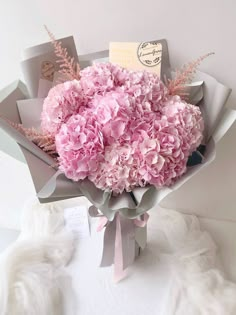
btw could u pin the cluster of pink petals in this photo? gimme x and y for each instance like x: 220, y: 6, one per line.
x: 60, y: 104
x: 80, y: 145
x: 73, y: 97
x: 121, y: 129
x: 153, y: 149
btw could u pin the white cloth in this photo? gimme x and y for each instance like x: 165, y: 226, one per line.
x: 175, y: 275
x: 31, y: 269
x: 197, y: 285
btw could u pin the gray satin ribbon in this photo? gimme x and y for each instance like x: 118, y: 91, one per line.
x: 132, y: 238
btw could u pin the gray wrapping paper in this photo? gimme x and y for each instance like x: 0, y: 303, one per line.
x: 51, y: 185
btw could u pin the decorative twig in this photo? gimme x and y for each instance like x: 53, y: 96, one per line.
x: 184, y: 76
x: 68, y: 66
x: 43, y: 141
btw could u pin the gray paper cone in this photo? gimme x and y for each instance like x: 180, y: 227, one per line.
x: 52, y: 185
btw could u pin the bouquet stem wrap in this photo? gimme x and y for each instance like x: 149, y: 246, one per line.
x: 123, y: 239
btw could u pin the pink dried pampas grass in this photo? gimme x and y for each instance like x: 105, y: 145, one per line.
x: 184, y: 76
x: 68, y: 66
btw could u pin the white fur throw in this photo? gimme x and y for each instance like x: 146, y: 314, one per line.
x: 31, y: 270
x: 33, y: 280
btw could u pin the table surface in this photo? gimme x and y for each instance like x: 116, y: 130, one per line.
x: 144, y: 290
x: 147, y: 285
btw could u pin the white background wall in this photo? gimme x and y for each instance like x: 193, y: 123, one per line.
x: 192, y: 28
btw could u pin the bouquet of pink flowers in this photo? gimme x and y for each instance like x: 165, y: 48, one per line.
x: 121, y: 137
x: 121, y: 129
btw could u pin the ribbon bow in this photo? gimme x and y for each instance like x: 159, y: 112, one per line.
x: 122, y: 241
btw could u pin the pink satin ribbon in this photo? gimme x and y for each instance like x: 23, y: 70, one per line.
x: 119, y: 272
x: 142, y: 222
x: 102, y: 223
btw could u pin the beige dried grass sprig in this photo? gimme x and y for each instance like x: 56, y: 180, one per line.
x: 184, y: 76
x: 43, y: 141
x: 67, y: 64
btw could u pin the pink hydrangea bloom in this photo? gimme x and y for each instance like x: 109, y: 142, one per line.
x: 114, y: 172
x: 97, y: 79
x: 80, y: 146
x: 120, y: 129
x: 62, y: 101
x: 113, y: 111
x: 73, y: 97
x: 157, y: 152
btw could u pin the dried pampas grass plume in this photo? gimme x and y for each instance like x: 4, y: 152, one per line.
x: 68, y: 66
x: 44, y: 141
x: 184, y: 76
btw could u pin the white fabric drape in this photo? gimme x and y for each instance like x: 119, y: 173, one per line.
x: 34, y: 280
x: 198, y: 287
x: 31, y: 270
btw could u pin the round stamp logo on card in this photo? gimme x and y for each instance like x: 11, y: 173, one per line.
x: 47, y: 70
x: 149, y: 53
